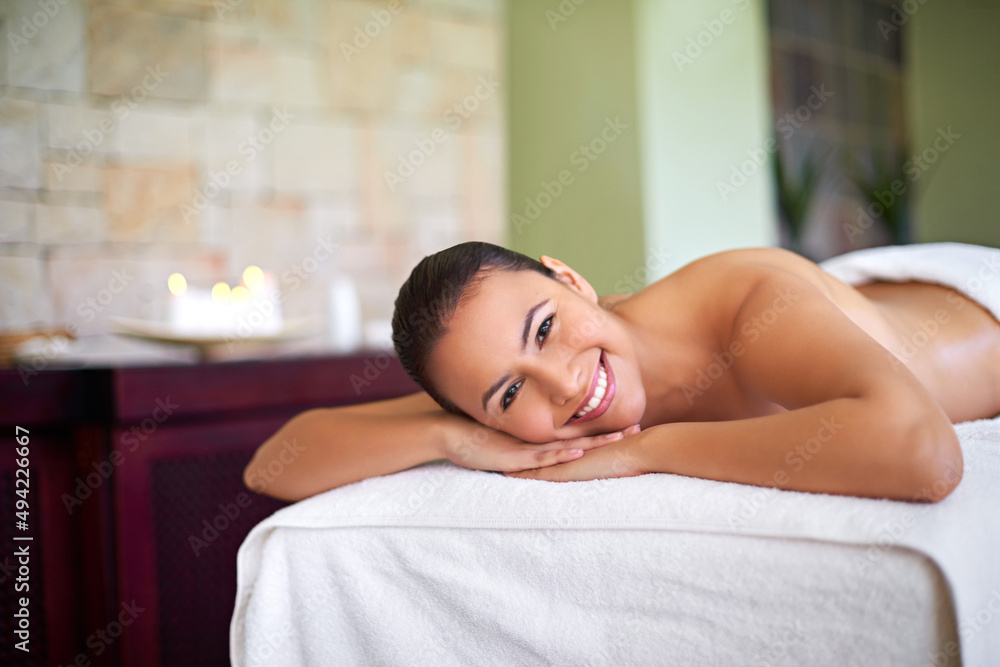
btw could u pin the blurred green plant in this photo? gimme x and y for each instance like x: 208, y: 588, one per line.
x: 796, y: 192
x: 881, y: 184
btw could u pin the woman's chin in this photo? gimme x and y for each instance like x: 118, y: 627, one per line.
x: 630, y: 411
x: 622, y: 414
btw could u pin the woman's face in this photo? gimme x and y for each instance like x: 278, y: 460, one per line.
x: 539, y: 358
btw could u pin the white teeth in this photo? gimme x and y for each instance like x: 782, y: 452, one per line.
x: 599, y: 391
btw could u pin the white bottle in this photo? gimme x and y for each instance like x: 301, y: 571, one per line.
x: 344, y: 321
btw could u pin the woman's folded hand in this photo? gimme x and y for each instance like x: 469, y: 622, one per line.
x: 479, y: 447
x: 613, y: 455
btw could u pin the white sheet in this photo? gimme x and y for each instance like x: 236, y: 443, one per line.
x: 442, y: 565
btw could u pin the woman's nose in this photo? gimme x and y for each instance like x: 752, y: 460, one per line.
x: 562, y: 381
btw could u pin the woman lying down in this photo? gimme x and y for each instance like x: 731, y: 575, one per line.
x: 752, y: 366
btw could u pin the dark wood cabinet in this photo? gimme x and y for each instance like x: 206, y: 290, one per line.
x: 138, y: 504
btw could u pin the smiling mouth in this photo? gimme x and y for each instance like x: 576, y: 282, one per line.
x: 598, y: 399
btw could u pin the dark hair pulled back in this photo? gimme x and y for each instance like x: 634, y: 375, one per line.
x: 432, y: 293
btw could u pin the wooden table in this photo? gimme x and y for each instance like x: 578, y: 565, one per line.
x: 137, y: 503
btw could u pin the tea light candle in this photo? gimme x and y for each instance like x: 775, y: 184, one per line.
x: 193, y: 311
x: 188, y: 307
x: 244, y: 311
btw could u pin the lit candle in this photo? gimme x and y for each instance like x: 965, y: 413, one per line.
x: 261, y: 314
x: 253, y: 277
x: 177, y: 284
x: 244, y: 311
x: 220, y: 318
x: 185, y: 310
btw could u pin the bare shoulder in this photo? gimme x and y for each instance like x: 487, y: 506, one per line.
x: 747, y: 263
x: 720, y: 283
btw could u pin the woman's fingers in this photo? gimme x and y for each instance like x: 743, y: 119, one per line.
x: 562, y: 451
x: 532, y: 459
x: 592, y: 441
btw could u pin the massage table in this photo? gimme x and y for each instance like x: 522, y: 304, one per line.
x: 441, y: 565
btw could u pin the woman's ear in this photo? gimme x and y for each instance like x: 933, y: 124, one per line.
x: 569, y: 277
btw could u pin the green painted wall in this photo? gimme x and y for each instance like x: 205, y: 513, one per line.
x: 954, y: 52
x: 572, y: 78
x: 705, y: 113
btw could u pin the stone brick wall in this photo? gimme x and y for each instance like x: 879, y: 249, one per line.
x: 200, y: 136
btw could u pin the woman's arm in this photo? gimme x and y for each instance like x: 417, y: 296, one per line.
x: 323, y: 449
x: 840, y: 447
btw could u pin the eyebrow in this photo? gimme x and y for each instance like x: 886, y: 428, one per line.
x: 528, y: 319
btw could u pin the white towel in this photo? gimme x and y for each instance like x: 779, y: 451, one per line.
x: 970, y: 269
x: 277, y: 578
x: 317, y: 587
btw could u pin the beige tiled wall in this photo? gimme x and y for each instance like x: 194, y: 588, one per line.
x: 119, y: 120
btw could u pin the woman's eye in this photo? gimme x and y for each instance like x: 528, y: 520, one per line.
x: 543, y: 329
x: 509, y: 395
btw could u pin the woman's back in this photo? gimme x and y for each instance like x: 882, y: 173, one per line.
x: 948, y: 341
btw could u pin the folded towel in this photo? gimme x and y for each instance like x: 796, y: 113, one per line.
x: 277, y: 578
x: 972, y: 270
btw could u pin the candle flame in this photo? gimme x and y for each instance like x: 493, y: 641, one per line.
x: 220, y: 292
x: 240, y: 294
x: 253, y: 277
x: 177, y: 284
